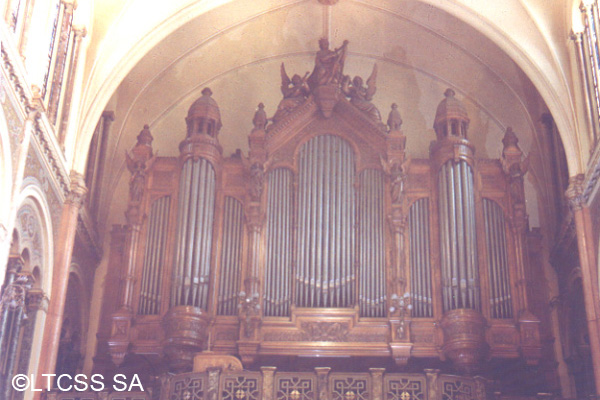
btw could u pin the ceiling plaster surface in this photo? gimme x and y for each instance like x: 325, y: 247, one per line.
x: 506, y: 22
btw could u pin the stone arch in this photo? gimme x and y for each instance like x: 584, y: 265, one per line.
x: 6, y: 180
x: 35, y: 233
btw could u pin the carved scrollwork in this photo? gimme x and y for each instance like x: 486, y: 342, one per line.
x: 324, y: 331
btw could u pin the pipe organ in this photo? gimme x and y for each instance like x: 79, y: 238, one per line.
x: 326, y: 240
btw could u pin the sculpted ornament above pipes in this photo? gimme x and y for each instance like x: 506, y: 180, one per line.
x: 361, y: 96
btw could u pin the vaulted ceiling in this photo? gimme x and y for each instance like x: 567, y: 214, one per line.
x: 507, y: 61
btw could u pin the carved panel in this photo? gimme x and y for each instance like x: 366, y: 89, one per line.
x: 404, y: 387
x: 244, y: 386
x: 292, y: 386
x: 324, y: 331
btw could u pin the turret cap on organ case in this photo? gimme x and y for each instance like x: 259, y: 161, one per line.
x: 204, y: 116
x: 451, y: 117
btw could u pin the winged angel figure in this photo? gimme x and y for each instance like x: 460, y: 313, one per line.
x: 294, y: 91
x: 361, y: 96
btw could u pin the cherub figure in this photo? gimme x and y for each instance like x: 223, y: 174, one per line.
x: 361, y: 96
x: 294, y: 91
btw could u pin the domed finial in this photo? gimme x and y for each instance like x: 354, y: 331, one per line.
x: 204, y: 116
x: 451, y: 118
x: 510, y: 138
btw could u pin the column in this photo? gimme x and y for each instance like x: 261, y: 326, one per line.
x: 587, y: 260
x: 61, y: 58
x: 62, y: 260
x: 78, y: 34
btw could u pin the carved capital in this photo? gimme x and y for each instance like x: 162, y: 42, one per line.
x: 79, y: 31
x: 15, y: 293
x: 574, y: 192
x: 77, y: 191
x: 37, y: 300
x: 15, y: 263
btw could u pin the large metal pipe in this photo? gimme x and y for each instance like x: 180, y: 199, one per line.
x: 211, y: 194
x: 491, y: 258
x: 180, y: 246
x: 163, y: 226
x: 505, y: 278
x: 428, y: 262
x: 419, y: 255
x: 473, y: 233
x: 150, y: 258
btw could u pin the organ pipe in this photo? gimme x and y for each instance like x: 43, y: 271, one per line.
x: 191, y: 274
x: 231, y: 257
x: 278, y: 263
x: 154, y: 256
x: 371, y: 267
x: 420, y: 266
x: 460, y: 274
x: 500, y: 296
x: 326, y: 215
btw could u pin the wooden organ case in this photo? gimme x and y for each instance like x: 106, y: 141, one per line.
x: 327, y: 240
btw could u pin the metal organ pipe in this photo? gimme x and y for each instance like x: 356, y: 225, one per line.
x: 325, y: 215
x: 420, y: 266
x: 500, y: 297
x: 458, y: 236
x: 278, y: 261
x: 371, y: 245
x: 194, y: 234
x: 229, y: 281
x: 153, y: 257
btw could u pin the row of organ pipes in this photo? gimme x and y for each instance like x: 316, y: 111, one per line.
x: 326, y: 240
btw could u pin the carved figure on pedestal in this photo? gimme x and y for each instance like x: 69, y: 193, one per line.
x: 394, y: 121
x: 329, y: 64
x: 361, y: 96
x: 260, y: 117
x: 398, y: 172
x: 294, y: 91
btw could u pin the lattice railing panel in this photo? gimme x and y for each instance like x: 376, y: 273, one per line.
x: 454, y: 388
x: 241, y: 386
x: 295, y: 386
x: 350, y: 386
x: 188, y: 387
x: 404, y: 387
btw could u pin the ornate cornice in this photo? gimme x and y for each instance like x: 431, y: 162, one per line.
x: 33, y: 110
x: 576, y: 192
x: 15, y: 80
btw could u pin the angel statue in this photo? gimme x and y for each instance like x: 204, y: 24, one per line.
x: 361, y: 96
x: 398, y: 173
x: 294, y: 91
x: 137, y: 167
